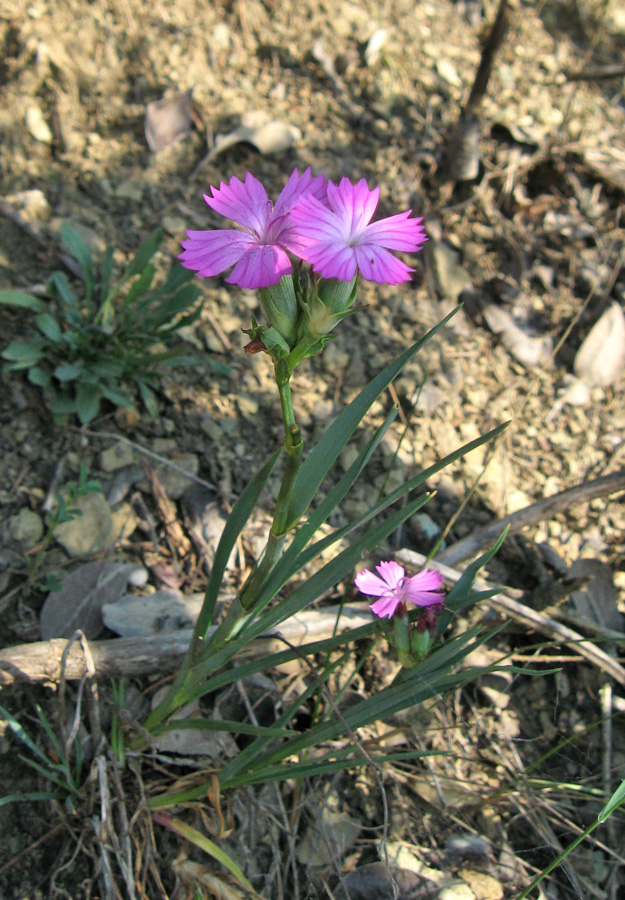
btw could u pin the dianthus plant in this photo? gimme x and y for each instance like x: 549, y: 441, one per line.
x: 305, y: 255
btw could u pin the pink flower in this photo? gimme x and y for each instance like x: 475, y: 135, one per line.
x: 394, y: 589
x: 258, y: 253
x: 339, y: 239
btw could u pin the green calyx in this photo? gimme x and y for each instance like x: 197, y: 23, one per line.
x: 281, y: 309
x: 328, y: 302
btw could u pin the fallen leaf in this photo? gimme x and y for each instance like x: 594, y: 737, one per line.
x: 601, y: 358
x: 168, y: 120
x: 378, y: 881
x: 267, y: 137
x: 82, y: 595
x: 373, y: 50
x: 529, y: 349
x: 597, y: 602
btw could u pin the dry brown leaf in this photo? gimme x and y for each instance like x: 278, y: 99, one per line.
x: 267, y: 136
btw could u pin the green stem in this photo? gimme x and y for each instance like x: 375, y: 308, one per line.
x: 271, y: 553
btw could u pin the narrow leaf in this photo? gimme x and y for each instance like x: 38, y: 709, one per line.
x: 143, y: 255
x: 49, y: 327
x: 327, y: 450
x: 20, y: 299
x: 74, y: 242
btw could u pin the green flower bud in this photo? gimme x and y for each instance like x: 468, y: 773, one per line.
x: 281, y: 309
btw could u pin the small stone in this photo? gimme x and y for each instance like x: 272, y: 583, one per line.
x: 37, y: 125
x: 25, y: 528
x: 174, y: 225
x: 129, y: 190
x: 248, y: 405
x: 174, y: 482
x: 162, y: 612
x: 457, y: 891
x: 484, y: 886
x: 116, y: 457
x: 125, y: 522
x: 91, y: 532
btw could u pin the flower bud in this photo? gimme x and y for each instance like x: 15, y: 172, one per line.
x: 281, y: 309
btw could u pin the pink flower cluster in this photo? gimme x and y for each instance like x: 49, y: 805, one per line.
x: 395, y: 590
x: 327, y: 225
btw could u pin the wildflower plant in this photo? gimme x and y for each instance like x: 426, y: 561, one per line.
x: 305, y: 255
x: 90, y: 345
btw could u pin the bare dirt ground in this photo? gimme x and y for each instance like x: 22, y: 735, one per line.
x: 533, y: 245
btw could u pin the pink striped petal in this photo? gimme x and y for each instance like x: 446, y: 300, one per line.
x: 396, y: 233
x: 244, y: 202
x: 385, y: 607
x: 210, y: 253
x: 379, y: 265
x: 424, y: 589
x: 260, y: 266
x: 369, y: 584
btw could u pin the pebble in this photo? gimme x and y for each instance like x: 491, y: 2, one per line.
x: 484, y: 886
x: 175, y: 483
x: 91, y: 532
x: 117, y: 457
x: 457, y: 891
x: 26, y: 528
x: 37, y: 125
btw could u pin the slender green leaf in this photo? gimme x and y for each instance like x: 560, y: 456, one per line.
x: 149, y: 400
x: 88, y: 398
x: 113, y: 395
x: 106, y: 270
x: 327, y: 450
x: 74, y: 242
x: 39, y: 376
x: 49, y: 327
x: 63, y: 405
x: 241, y: 511
x: 197, y: 838
x: 143, y: 255
x: 27, y: 352
x: 68, y: 371
x: 139, y: 286
x: 617, y: 798
x: 32, y: 797
x: 20, y: 299
x: 58, y: 286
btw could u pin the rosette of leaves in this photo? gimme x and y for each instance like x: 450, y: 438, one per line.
x: 93, y: 343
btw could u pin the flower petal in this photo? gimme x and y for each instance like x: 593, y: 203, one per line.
x: 424, y: 589
x: 369, y: 584
x: 385, y: 607
x: 392, y: 573
x: 396, y: 233
x: 244, y: 202
x: 354, y: 204
x: 297, y: 186
x: 379, y: 265
x: 212, y: 252
x: 260, y: 266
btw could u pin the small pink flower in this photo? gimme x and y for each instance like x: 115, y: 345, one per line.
x: 339, y: 239
x: 258, y: 253
x: 394, y: 589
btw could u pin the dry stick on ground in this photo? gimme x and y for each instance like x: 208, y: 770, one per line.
x: 543, y: 509
x: 41, y: 662
x: 463, y: 158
